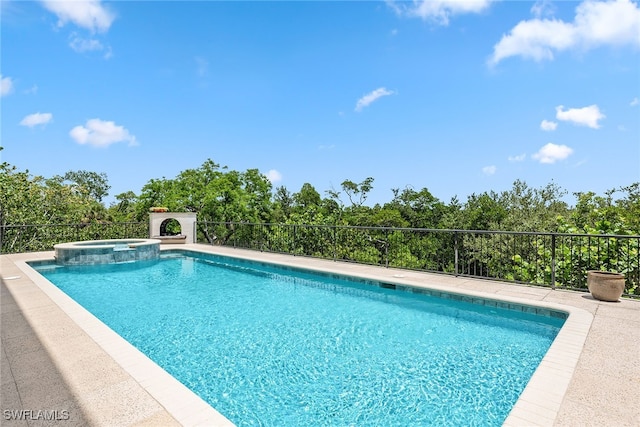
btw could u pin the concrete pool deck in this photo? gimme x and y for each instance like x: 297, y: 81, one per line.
x: 60, y: 360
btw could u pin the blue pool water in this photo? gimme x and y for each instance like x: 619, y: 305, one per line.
x: 274, y: 347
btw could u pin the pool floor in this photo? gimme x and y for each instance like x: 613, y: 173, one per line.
x: 74, y: 353
x: 270, y: 346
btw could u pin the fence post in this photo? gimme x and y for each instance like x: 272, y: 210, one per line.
x: 386, y: 247
x: 455, y: 252
x: 553, y: 261
x: 234, y: 233
x: 335, y: 243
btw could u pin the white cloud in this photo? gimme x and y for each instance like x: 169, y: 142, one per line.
x: 596, y: 23
x: 534, y: 40
x: 367, y: 99
x: 274, y: 176
x: 551, y: 153
x: 517, y: 158
x: 586, y: 116
x: 89, y: 14
x: 609, y: 22
x: 634, y: 102
x: 438, y: 11
x: 548, y: 125
x: 100, y: 133
x: 36, y: 119
x: 81, y: 45
x: 543, y: 8
x: 489, y: 170
x: 6, y: 85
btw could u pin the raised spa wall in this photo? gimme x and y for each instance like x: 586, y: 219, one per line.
x: 106, y: 251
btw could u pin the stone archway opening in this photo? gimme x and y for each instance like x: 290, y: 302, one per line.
x: 170, y: 227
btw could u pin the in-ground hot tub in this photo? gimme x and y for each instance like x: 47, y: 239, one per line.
x: 106, y: 251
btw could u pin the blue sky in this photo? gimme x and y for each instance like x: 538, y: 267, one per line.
x: 457, y: 97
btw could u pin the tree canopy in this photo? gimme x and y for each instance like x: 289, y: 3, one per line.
x: 218, y: 194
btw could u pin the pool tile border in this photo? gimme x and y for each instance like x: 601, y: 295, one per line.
x: 391, y: 284
x: 538, y: 404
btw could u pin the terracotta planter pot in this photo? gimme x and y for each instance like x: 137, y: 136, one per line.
x: 605, y: 285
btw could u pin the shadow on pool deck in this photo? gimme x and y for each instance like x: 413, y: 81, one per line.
x: 26, y: 361
x: 49, y: 363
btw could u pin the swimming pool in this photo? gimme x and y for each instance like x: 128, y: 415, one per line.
x: 282, y: 347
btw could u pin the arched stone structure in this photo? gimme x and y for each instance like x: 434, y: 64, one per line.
x: 187, y: 222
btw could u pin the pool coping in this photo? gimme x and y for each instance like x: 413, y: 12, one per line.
x: 539, y: 404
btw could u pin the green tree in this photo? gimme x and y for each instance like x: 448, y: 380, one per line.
x: 27, y: 199
x: 215, y: 194
x: 604, y: 215
x: 307, y: 206
x: 420, y: 209
x: 20, y: 197
x: 257, y: 196
x: 629, y: 206
x: 156, y: 192
x: 452, y: 217
x: 483, y: 212
x: 357, y: 193
x: 387, y: 217
x: 124, y: 207
x: 34, y: 200
x: 529, y: 209
x: 306, y: 198
x: 283, y: 204
x: 89, y: 184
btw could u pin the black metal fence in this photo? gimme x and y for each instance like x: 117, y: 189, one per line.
x: 547, y: 259
x: 32, y: 238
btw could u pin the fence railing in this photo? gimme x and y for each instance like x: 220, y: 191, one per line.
x: 32, y: 238
x: 556, y: 260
